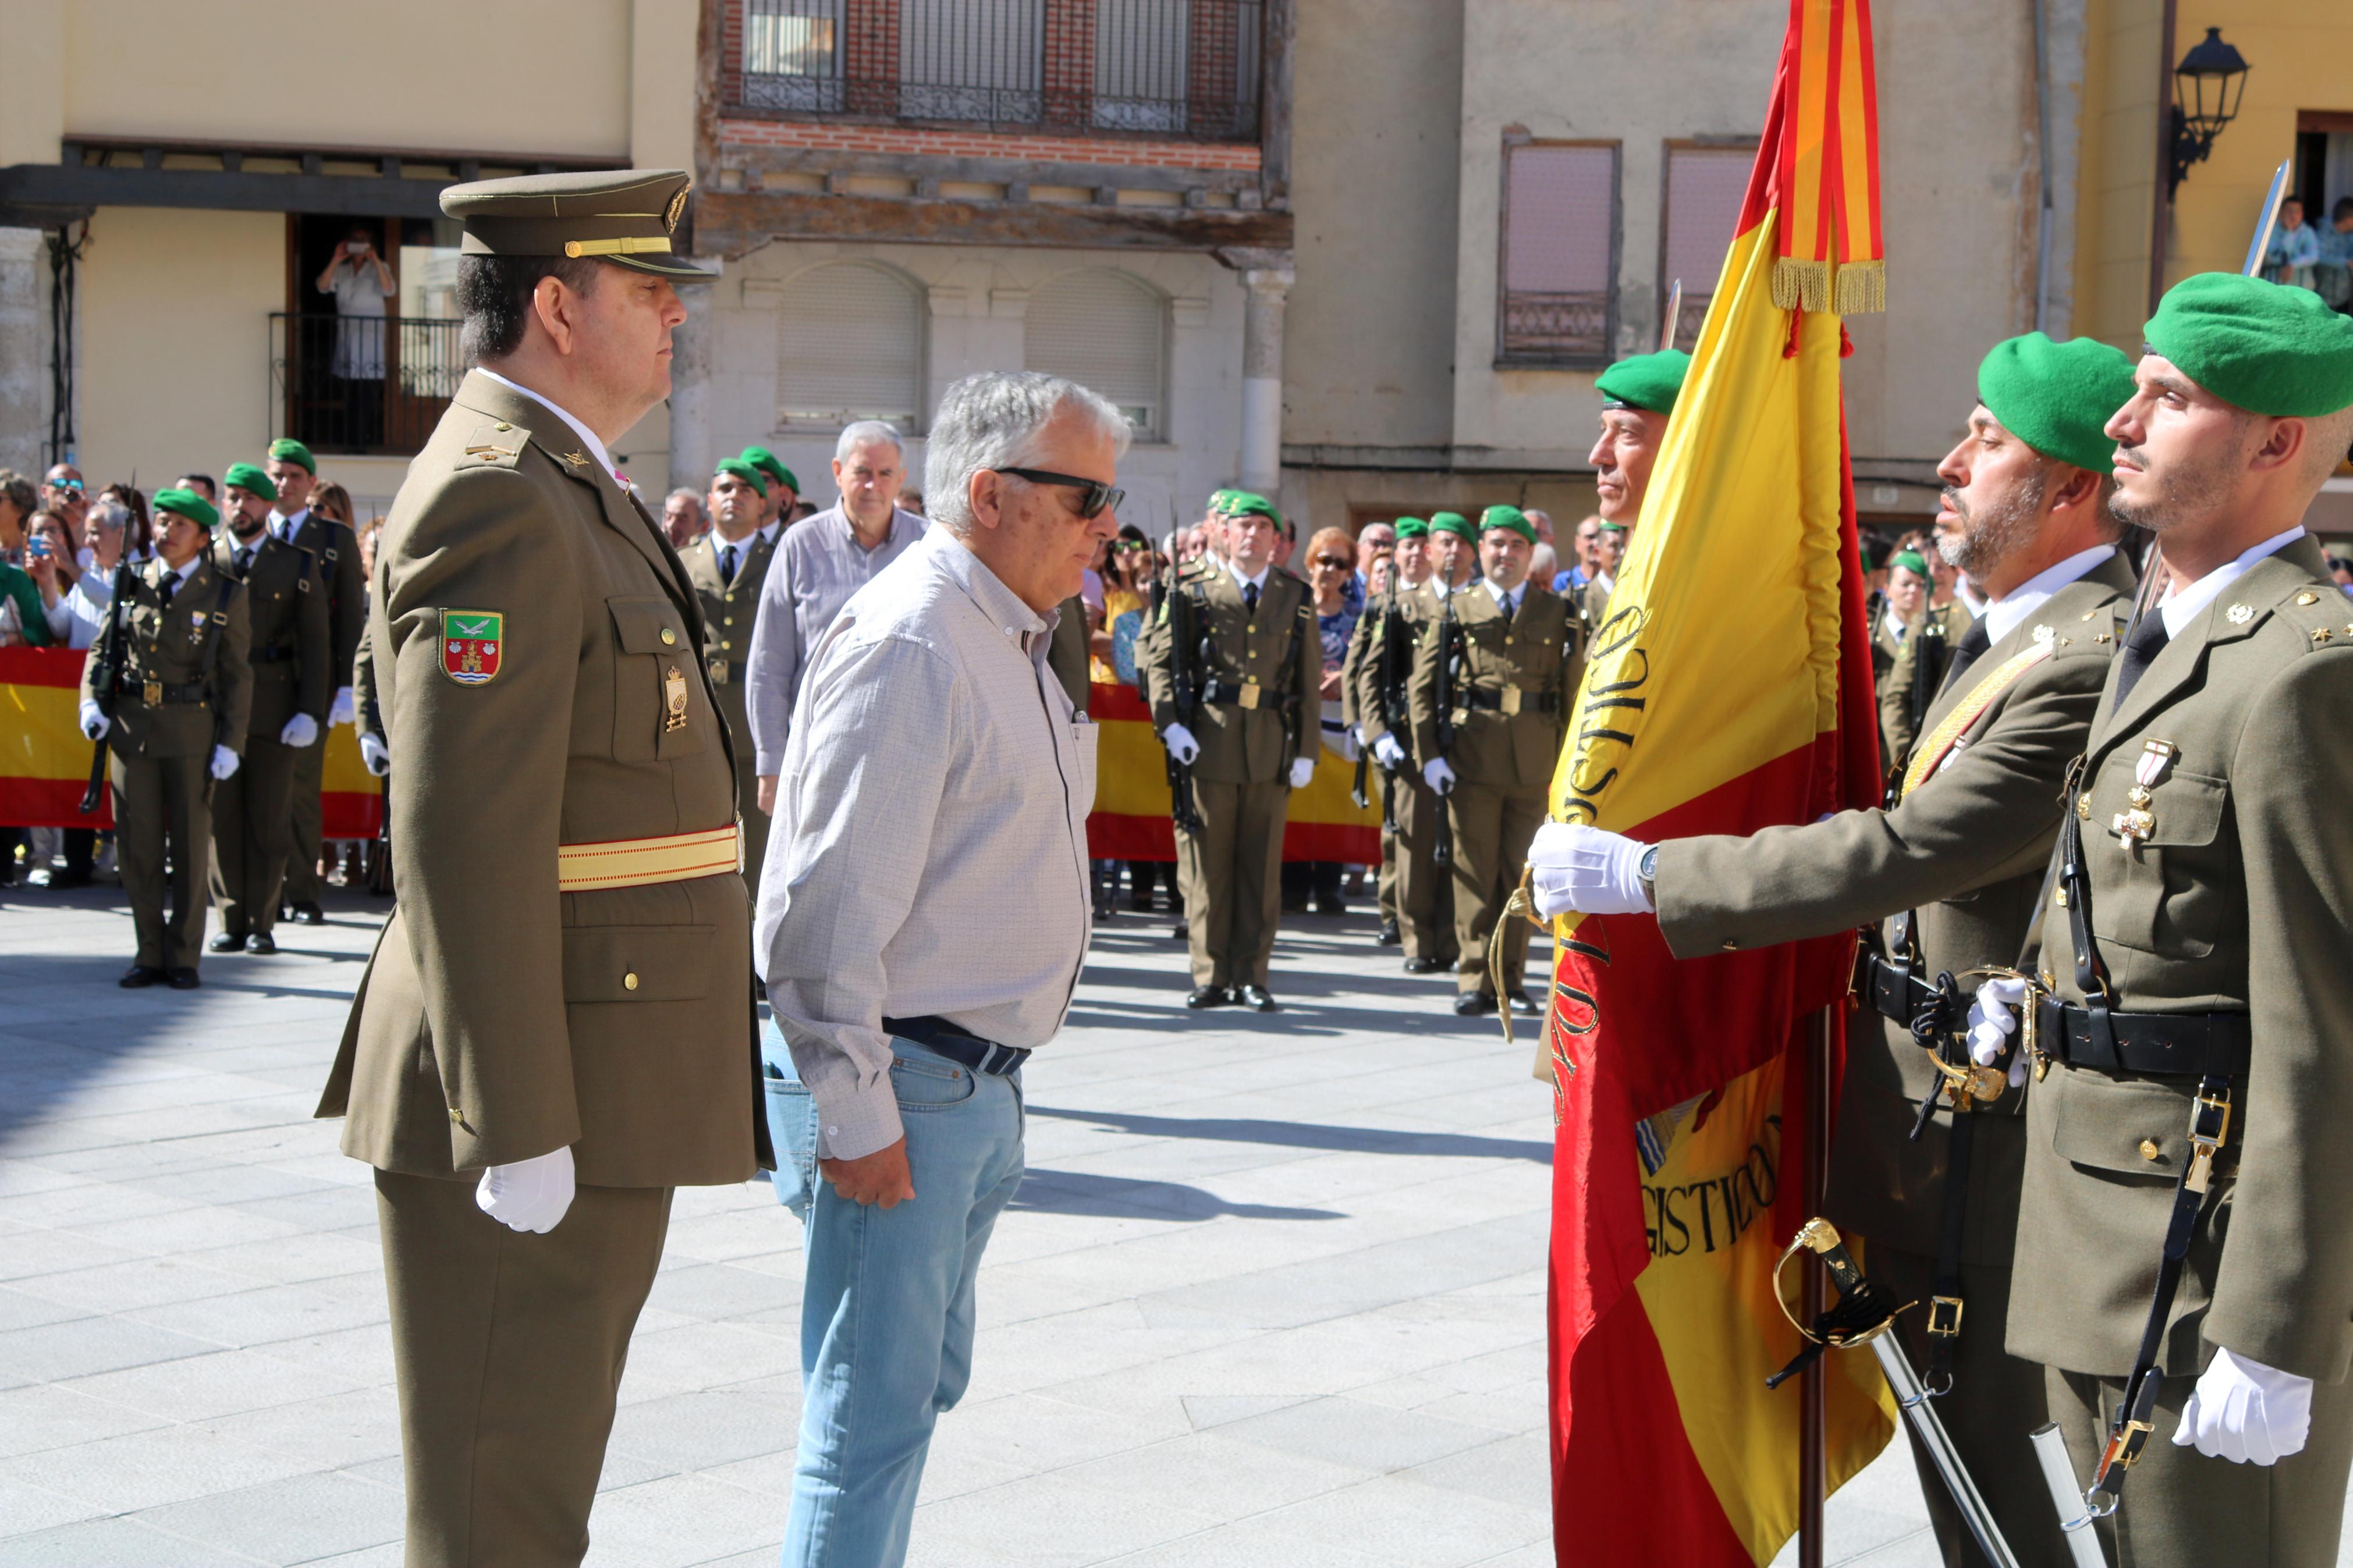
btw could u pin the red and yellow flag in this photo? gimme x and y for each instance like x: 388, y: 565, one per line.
x: 1677, y: 1171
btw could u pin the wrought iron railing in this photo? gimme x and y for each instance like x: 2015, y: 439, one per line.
x: 1170, y: 68
x: 373, y: 384
x: 1557, y: 327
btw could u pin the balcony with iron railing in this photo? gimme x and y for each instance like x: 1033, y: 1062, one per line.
x: 1164, y: 68
x: 363, y: 386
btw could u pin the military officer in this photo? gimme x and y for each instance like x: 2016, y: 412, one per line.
x: 1398, y: 619
x: 173, y: 712
x: 727, y: 566
x: 2193, y: 991
x: 784, y: 488
x: 288, y: 645
x: 1361, y: 640
x: 337, y: 551
x: 1493, y: 678
x: 555, y: 1028
x: 1240, y: 638
x: 1953, y: 865
x: 1638, y: 396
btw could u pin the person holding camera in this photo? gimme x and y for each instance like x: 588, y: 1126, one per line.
x: 361, y: 283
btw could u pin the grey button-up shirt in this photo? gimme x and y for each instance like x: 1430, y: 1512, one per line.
x: 930, y: 848
x: 816, y: 567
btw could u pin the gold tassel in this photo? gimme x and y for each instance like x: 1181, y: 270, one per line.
x: 1521, y: 905
x: 1801, y: 285
x: 1861, y: 287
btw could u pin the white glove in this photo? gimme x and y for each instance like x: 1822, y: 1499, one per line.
x: 300, y: 731
x: 1438, y: 775
x: 1989, y: 1031
x: 1587, y: 869
x: 343, y: 712
x: 1180, y: 743
x: 1388, y: 753
x: 224, y: 761
x: 372, y: 752
x: 94, y: 723
x: 1302, y: 770
x: 530, y: 1195
x: 2245, y: 1412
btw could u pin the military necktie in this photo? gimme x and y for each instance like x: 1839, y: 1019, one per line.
x: 1973, y: 643
x: 167, y: 587
x: 2141, y: 648
x: 727, y: 564
x: 1250, y: 597
x: 1511, y: 607
x: 244, y: 559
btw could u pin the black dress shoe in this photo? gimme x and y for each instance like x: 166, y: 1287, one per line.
x: 139, y: 975
x: 260, y: 941
x: 1473, y: 1005
x: 1390, y: 936
x: 58, y: 881
x: 1184, y: 930
x: 228, y: 942
x: 1210, y: 996
x: 310, y: 914
x: 1522, y: 1004
x: 1323, y: 904
x: 1425, y: 964
x: 1260, y: 997
x: 181, y: 979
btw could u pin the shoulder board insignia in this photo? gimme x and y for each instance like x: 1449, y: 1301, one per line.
x: 487, y: 453
x: 2238, y: 614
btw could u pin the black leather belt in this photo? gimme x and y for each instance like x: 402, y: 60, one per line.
x: 958, y: 1044
x: 1891, y: 990
x: 194, y: 691
x: 1530, y: 702
x: 1223, y: 693
x: 2164, y: 1045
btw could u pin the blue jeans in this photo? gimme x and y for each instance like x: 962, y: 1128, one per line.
x: 887, y: 1305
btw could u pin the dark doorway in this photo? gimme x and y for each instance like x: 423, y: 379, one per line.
x: 350, y: 380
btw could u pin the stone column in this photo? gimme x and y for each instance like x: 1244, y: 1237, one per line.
x: 690, y: 412
x: 24, y: 357
x: 1265, y: 289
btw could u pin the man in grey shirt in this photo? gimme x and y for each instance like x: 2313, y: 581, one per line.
x: 921, y: 927
x: 817, y: 566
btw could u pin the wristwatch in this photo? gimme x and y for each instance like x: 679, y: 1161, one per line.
x: 1649, y: 872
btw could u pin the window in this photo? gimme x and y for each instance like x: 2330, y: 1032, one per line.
x: 792, y: 54
x: 1106, y: 331
x: 1558, y: 299
x: 971, y: 59
x: 1699, y: 211
x: 850, y: 346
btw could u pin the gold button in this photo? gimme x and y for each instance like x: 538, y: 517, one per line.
x: 727, y: 620
x: 628, y: 982
x: 1730, y: 946
x: 457, y: 1116
x: 724, y: 645
x: 2148, y: 1149
x: 1507, y: 642
x: 668, y: 637
x: 2307, y: 597
x: 504, y: 426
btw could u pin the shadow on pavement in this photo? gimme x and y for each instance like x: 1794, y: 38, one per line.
x: 1122, y: 1198
x: 1311, y: 1135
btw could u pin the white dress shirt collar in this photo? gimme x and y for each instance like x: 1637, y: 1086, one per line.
x: 1004, y: 607
x: 2181, y: 606
x: 1509, y: 602
x: 1257, y: 582
x: 2007, y: 614
x: 1894, y: 623
x: 595, y: 447
x: 284, y: 525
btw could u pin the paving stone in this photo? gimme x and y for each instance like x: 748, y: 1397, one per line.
x: 298, y: 1519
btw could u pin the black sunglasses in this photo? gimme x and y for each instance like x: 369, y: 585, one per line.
x: 1332, y: 561
x: 1095, y: 497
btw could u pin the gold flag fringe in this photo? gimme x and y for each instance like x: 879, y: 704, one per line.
x: 1861, y: 287
x: 1801, y: 285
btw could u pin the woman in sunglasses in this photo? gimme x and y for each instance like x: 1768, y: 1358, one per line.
x: 1330, y: 575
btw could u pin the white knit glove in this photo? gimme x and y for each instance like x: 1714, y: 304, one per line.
x: 2245, y: 1412
x: 1438, y: 775
x: 94, y: 723
x: 1587, y: 869
x: 371, y: 753
x: 1180, y: 743
x: 530, y: 1195
x: 1990, y: 1028
x: 343, y: 712
x: 224, y: 761
x: 1388, y: 753
x: 301, y: 730
x: 1302, y: 770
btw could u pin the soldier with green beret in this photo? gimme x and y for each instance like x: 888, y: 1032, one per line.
x: 1493, y: 679
x: 288, y: 646
x: 784, y: 488
x: 555, y: 1029
x: 1638, y: 395
x: 336, y: 551
x: 729, y: 566
x: 172, y: 714
x: 2183, y: 1213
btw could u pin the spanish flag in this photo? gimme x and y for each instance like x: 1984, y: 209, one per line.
x: 1677, y: 1170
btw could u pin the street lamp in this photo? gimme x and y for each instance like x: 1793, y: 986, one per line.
x: 2207, y: 87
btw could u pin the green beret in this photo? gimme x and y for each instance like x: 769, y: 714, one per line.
x: 743, y: 471
x: 188, y: 504
x: 1453, y: 522
x: 1613, y: 527
x: 1912, y: 560
x: 1221, y: 501
x: 247, y: 476
x: 1509, y: 516
x: 766, y: 461
x: 2057, y: 397
x: 1870, y: 559
x: 2269, y: 348
x: 1648, y: 382
x: 1243, y: 503
x: 286, y: 450
x: 1411, y: 528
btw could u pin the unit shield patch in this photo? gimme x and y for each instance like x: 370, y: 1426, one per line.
x: 471, y: 641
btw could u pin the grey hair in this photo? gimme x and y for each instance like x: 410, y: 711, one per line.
x: 689, y: 491
x: 992, y: 420
x: 860, y: 432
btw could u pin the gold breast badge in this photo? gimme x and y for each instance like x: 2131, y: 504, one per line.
x: 674, y: 701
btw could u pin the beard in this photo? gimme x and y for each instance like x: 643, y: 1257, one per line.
x: 1987, y: 537
x: 2189, y: 491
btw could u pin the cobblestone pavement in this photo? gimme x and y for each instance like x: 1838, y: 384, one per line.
x: 1272, y: 1293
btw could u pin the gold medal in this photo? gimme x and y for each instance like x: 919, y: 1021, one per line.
x: 674, y: 701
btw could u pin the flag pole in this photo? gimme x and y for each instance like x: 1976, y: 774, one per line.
x: 1812, y: 1175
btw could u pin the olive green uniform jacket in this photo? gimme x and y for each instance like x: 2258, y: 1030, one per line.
x: 200, y: 639
x: 1532, y: 662
x: 1896, y: 732
x: 1268, y: 670
x: 1067, y: 652
x: 288, y: 633
x: 501, y: 1018
x: 2240, y: 899
x: 1367, y: 708
x: 728, y: 611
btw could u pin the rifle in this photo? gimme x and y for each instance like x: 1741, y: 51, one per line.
x: 106, y: 681
x: 1185, y: 690
x: 1443, y: 852
x: 1930, y: 654
x: 1388, y: 689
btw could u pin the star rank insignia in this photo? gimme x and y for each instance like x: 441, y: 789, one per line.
x: 2238, y: 614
